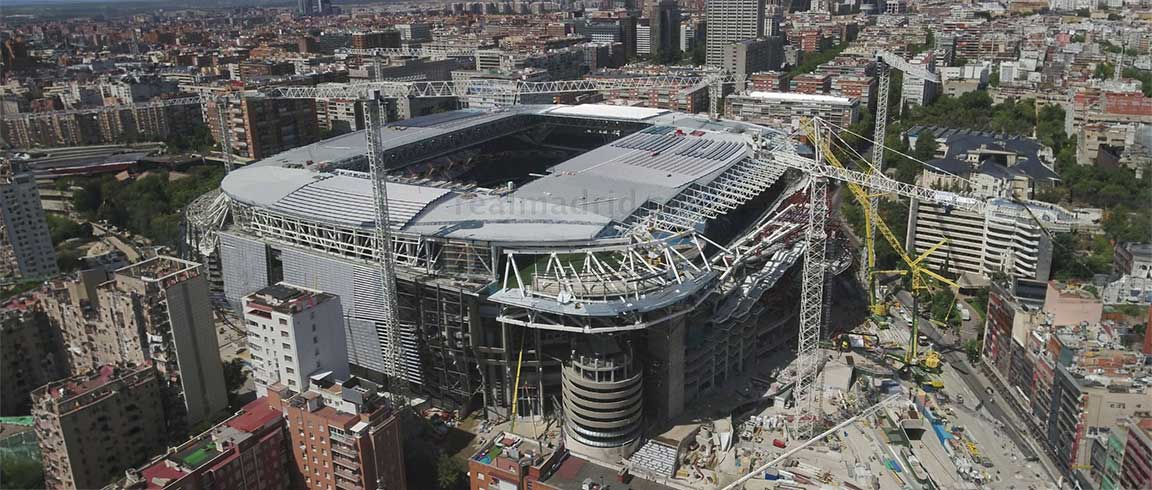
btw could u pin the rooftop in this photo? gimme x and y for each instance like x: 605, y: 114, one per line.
x: 158, y: 268
x: 286, y: 298
x: 796, y: 97
x: 576, y: 201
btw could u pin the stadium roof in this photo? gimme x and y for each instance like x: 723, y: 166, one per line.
x: 574, y: 202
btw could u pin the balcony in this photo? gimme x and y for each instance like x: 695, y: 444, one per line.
x: 344, y: 450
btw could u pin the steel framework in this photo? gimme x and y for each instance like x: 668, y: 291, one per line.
x: 387, y: 267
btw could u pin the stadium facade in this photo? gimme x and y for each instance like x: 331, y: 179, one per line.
x: 619, y: 262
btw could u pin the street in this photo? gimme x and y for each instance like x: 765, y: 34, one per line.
x: 951, y: 349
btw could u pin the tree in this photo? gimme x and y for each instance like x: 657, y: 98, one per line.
x: 449, y: 471
x: 1104, y: 71
x: 699, y: 54
x: 925, y: 146
x: 972, y: 348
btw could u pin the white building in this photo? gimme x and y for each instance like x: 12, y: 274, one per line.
x: 25, y: 243
x: 687, y: 37
x: 1007, y: 71
x: 982, y: 245
x: 916, y: 90
x: 786, y: 109
x: 294, y: 333
x: 643, y: 40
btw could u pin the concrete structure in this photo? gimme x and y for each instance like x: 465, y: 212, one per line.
x: 347, y: 436
x: 263, y: 126
x: 786, y: 109
x: 162, y: 314
x: 603, y: 397
x: 294, y: 333
x: 999, y: 241
x: 664, y: 26
x: 25, y: 246
x: 749, y: 56
x: 513, y: 460
x: 93, y: 427
x: 731, y: 21
x: 249, y: 450
x: 31, y: 354
x: 305, y: 217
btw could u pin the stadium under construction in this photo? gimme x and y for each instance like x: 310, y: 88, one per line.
x: 608, y: 264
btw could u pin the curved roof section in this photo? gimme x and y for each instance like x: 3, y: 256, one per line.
x: 574, y: 202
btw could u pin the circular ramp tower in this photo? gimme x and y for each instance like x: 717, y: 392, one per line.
x: 603, y: 400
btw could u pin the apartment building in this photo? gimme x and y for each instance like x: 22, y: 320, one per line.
x: 343, y: 435
x: 1136, y: 467
x: 25, y: 245
x: 162, y: 315
x: 1073, y: 385
x: 294, y: 333
x: 93, y: 427
x: 247, y: 451
x: 916, y: 90
x: 731, y: 21
x: 30, y: 354
x: 339, y: 116
x: 262, y: 126
x: 389, y: 38
x: 743, y: 58
x: 786, y: 109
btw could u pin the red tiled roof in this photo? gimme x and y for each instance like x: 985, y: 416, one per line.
x: 160, y: 470
x: 256, y: 414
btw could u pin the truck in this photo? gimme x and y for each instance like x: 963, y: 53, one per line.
x: 964, y: 313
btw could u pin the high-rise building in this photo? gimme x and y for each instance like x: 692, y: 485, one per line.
x: 264, y: 126
x: 25, y: 244
x: 31, y: 354
x: 731, y: 21
x: 347, y: 436
x: 664, y: 26
x: 916, y: 90
x: 644, y: 39
x: 294, y: 333
x: 161, y: 308
x: 305, y: 7
x: 247, y: 451
x: 749, y: 56
x: 339, y: 116
x: 93, y: 427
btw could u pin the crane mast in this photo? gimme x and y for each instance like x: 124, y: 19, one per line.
x: 379, y: 175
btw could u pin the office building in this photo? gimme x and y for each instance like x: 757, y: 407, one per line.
x: 731, y: 21
x: 31, y: 354
x: 161, y: 311
x: 664, y: 26
x: 264, y: 126
x: 25, y: 245
x: 644, y: 40
x: 305, y: 7
x: 982, y: 245
x: 249, y: 450
x: 93, y: 427
x: 786, y: 109
x: 294, y: 333
x: 347, y: 436
x: 743, y: 58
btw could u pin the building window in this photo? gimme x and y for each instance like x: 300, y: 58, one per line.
x: 283, y: 321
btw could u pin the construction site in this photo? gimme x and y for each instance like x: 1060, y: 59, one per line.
x: 626, y: 296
